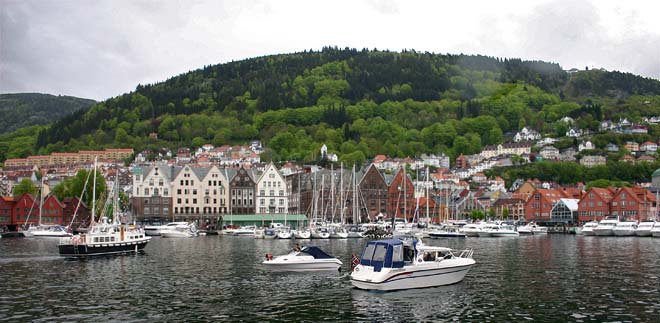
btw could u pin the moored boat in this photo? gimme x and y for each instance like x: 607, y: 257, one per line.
x: 588, y: 228
x: 605, y: 226
x: 104, y: 238
x: 644, y: 228
x: 504, y: 231
x: 625, y: 229
x: 397, y: 264
x: 308, y: 258
x: 182, y: 230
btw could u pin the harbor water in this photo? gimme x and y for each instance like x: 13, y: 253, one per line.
x: 545, y: 278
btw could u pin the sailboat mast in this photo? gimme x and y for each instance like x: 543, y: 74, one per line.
x: 426, y: 182
x: 41, y: 198
x: 94, y: 192
x: 341, y: 193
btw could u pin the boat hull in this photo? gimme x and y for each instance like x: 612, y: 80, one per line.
x: 624, y: 232
x: 643, y: 232
x: 16, y: 234
x: 302, y: 235
x: 84, y: 250
x: 405, y: 278
x: 317, y: 265
x: 435, y: 235
x: 471, y: 233
x: 501, y: 234
x: 603, y: 232
x: 655, y: 233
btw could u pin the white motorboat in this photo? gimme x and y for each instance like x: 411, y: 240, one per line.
x: 485, y: 229
x: 309, y: 258
x: 537, y: 229
x: 48, y: 231
x: 504, y: 231
x: 397, y: 264
x: 183, y: 230
x: 302, y: 234
x: 625, y: 228
x: 588, y: 228
x: 259, y: 233
x: 446, y: 232
x: 605, y: 226
x: 471, y: 229
x: 247, y: 230
x: 526, y: 229
x: 154, y: 230
x: 644, y: 228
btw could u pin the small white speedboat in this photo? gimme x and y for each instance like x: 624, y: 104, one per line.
x: 284, y: 233
x: 504, y: 231
x: 186, y: 230
x: 309, y: 258
x: 396, y: 264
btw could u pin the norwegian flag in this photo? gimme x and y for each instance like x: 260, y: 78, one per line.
x: 354, y: 262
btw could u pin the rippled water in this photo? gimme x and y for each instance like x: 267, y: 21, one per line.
x: 220, y: 278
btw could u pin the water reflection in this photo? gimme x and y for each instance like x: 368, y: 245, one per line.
x: 542, y: 278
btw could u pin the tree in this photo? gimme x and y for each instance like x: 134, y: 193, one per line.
x: 25, y: 186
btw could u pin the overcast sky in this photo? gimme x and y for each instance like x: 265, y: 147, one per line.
x: 104, y: 48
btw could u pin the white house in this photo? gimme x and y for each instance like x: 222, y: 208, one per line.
x: 573, y: 132
x: 526, y: 134
x: 271, y: 192
x: 585, y: 145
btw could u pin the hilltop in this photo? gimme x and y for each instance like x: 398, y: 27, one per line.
x: 28, y: 109
x: 359, y: 103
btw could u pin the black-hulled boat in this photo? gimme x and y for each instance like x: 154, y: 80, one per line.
x: 104, y: 239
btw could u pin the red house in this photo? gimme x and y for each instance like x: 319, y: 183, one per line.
x: 540, y: 203
x: 634, y: 203
x: 26, y: 210
x: 51, y: 211
x: 82, y: 214
x: 6, y: 206
x: 401, y: 197
x: 595, y: 204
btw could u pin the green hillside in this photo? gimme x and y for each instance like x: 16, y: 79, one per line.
x: 358, y: 102
x: 28, y: 109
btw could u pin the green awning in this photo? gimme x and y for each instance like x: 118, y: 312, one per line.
x: 266, y: 218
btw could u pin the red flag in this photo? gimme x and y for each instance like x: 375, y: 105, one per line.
x: 354, y: 261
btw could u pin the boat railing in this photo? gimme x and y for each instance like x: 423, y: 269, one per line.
x: 467, y: 253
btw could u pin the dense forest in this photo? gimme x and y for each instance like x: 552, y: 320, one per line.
x: 28, y: 109
x: 358, y: 102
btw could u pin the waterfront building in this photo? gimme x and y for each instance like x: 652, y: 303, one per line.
x: 73, y: 205
x: 595, y: 204
x: 540, y: 204
x: 271, y: 192
x: 242, y: 191
x: 634, y: 203
x: 565, y: 211
x: 374, y: 190
x: 401, y: 196
x: 152, y: 194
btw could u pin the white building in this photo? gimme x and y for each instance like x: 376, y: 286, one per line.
x: 526, y: 134
x: 586, y: 145
x: 549, y: 152
x: 271, y: 192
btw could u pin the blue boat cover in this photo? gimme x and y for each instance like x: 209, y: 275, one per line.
x: 379, y: 254
x: 316, y: 252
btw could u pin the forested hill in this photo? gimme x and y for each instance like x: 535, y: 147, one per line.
x: 358, y: 102
x: 27, y: 109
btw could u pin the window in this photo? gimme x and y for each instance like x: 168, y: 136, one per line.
x: 165, y: 192
x: 281, y: 192
x: 397, y: 253
x: 379, y: 253
x: 368, y: 252
x: 146, y: 191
